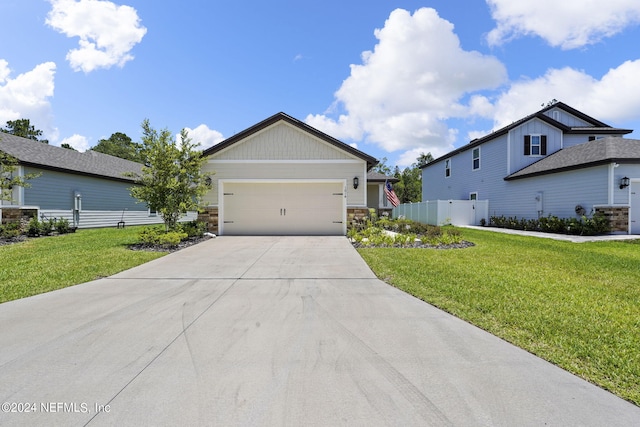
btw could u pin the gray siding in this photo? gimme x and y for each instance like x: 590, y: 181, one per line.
x: 561, y: 192
x: 621, y: 196
x: 487, y: 181
x: 97, y: 219
x: 565, y: 118
x: 534, y: 127
x: 55, y: 190
x: 571, y: 140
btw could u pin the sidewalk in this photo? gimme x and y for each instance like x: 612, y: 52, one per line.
x: 565, y: 237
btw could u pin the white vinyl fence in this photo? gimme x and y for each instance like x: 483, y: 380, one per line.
x: 440, y: 212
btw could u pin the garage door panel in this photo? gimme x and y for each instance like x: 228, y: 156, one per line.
x: 283, y: 208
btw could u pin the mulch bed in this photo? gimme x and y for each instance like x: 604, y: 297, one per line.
x: 419, y: 245
x: 13, y: 240
x: 161, y: 248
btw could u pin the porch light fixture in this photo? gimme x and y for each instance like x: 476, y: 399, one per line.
x: 624, y: 182
x: 356, y: 182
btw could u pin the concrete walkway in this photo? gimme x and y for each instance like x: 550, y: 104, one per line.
x: 271, y: 331
x: 555, y: 236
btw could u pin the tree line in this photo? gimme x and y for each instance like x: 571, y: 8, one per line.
x: 409, y: 187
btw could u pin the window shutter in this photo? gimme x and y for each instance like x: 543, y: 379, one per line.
x: 543, y: 145
x: 527, y: 145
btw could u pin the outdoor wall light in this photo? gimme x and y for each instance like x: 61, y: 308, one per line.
x: 356, y: 182
x: 624, y: 182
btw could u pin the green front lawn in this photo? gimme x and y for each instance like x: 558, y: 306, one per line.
x: 575, y: 305
x: 47, y: 263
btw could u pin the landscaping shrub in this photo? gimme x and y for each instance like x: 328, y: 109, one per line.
x: 157, y: 236
x: 34, y: 228
x: 192, y: 228
x: 583, y: 226
x: 408, y: 234
x: 62, y: 226
x: 10, y: 230
x: 47, y: 227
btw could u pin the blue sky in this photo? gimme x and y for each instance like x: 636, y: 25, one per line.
x: 393, y: 78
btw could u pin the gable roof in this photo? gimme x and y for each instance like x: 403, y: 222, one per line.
x: 380, y: 177
x: 597, y: 128
x: 371, y: 161
x: 592, y: 153
x: 45, y: 156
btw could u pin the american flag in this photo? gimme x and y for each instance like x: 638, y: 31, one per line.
x: 391, y: 195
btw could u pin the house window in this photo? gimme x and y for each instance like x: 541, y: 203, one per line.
x: 535, y: 145
x: 447, y: 168
x: 473, y: 196
x: 476, y: 158
x: 594, y: 137
x: 555, y: 115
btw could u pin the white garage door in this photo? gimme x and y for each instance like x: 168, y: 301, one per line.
x: 283, y: 208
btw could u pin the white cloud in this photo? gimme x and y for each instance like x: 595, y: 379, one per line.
x: 203, y: 135
x: 27, y: 97
x: 413, y: 80
x: 410, y: 157
x: 613, y: 99
x: 78, y: 142
x: 568, y: 24
x: 107, y: 32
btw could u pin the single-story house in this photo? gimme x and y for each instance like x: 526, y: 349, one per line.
x: 89, y: 189
x: 557, y: 161
x: 284, y: 177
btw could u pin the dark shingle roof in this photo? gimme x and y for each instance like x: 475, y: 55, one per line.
x: 92, y: 163
x: 592, y: 153
x: 371, y: 161
x: 380, y: 177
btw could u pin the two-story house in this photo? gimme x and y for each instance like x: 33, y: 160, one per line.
x: 557, y: 161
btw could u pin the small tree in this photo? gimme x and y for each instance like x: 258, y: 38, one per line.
x: 8, y: 166
x: 172, y: 181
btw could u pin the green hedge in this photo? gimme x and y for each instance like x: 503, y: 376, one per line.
x: 583, y: 226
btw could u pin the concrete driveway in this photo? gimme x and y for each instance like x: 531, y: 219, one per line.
x: 271, y: 331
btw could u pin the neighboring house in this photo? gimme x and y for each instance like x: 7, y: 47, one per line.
x: 557, y: 161
x: 89, y: 189
x: 283, y: 177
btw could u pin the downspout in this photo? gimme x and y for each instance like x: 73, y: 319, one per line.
x: 20, y: 201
